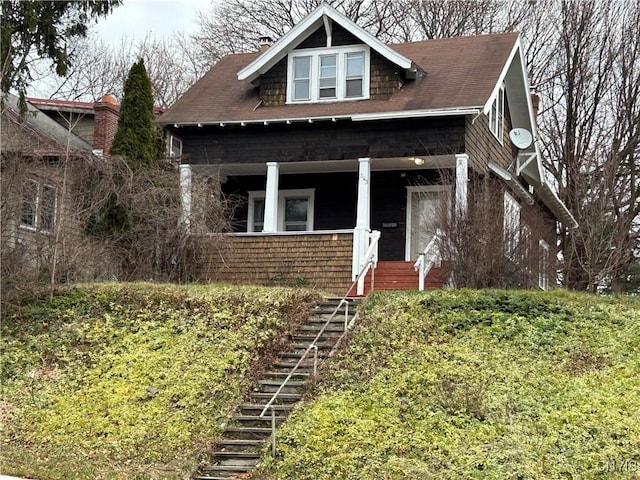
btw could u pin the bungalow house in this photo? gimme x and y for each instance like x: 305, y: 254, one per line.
x: 336, y: 143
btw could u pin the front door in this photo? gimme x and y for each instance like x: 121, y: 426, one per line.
x: 425, y: 206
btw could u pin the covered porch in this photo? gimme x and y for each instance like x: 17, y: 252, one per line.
x: 311, y: 223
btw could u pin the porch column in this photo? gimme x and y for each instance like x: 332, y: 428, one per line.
x: 271, y: 198
x: 185, y: 194
x: 462, y: 178
x: 363, y: 221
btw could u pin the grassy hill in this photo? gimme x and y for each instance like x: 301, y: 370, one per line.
x: 475, y: 384
x: 135, y: 381
x: 131, y: 380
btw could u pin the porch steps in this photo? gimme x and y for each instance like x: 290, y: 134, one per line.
x: 401, y: 276
x: 239, y: 449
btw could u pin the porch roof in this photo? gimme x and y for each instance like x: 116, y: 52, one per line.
x: 332, y: 166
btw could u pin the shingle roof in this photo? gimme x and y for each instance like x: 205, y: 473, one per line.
x: 461, y: 72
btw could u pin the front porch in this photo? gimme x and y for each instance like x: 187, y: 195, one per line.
x: 311, y: 223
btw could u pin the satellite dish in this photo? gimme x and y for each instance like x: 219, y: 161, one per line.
x: 521, y: 137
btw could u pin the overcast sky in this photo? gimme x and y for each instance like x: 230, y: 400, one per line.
x: 136, y: 18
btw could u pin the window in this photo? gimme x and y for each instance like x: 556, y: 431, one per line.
x: 175, y: 147
x: 543, y: 271
x: 328, y: 74
x: 511, y: 225
x: 295, y: 210
x: 301, y: 78
x: 355, y: 74
x: 38, y: 206
x: 496, y: 116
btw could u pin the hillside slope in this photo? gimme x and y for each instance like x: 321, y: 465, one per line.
x: 475, y: 384
x: 131, y: 380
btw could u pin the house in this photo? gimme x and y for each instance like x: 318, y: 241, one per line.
x: 329, y: 136
x: 47, y: 154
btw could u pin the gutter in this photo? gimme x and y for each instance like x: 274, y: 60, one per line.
x: 358, y: 117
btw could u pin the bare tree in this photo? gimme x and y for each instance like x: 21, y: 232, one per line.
x: 99, y: 69
x: 589, y: 76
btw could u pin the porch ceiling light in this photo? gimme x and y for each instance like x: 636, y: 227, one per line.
x: 418, y: 161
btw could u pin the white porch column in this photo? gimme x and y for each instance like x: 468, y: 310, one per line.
x: 185, y: 194
x: 462, y: 178
x: 271, y: 198
x: 363, y: 221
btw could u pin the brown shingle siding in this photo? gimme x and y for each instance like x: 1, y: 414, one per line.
x: 316, y: 260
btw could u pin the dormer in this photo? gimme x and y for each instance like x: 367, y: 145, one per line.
x: 326, y: 58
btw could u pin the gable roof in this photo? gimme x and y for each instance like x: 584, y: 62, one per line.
x: 54, y: 135
x: 460, y: 75
x: 323, y: 15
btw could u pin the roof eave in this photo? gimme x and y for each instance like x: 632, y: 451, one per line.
x: 355, y: 117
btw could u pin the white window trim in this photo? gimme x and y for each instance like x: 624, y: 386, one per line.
x: 498, y: 130
x: 36, y: 227
x: 314, y: 80
x: 543, y: 267
x: 511, y: 225
x: 282, y: 196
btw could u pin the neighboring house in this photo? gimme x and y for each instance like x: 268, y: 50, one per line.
x: 46, y: 154
x: 330, y: 134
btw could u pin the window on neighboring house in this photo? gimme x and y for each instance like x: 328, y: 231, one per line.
x: 295, y: 210
x: 175, y: 147
x: 496, y: 115
x: 543, y: 271
x: 340, y: 73
x: 511, y: 225
x: 38, y: 206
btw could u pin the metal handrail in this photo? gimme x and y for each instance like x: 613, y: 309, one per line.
x: 423, y: 268
x: 313, y: 344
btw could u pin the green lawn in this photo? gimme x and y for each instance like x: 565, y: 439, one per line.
x: 475, y: 385
x: 131, y: 380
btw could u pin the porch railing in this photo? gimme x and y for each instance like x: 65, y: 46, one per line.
x: 427, y: 259
x: 368, y: 262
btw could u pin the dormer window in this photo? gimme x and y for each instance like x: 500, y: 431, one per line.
x: 317, y: 75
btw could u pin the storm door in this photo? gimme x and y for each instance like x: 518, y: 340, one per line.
x: 425, y: 205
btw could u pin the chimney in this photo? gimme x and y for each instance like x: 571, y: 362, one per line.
x: 535, y: 102
x: 265, y: 43
x: 105, y: 123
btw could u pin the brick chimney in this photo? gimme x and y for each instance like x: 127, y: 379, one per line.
x: 105, y: 123
x: 535, y: 102
x: 265, y: 43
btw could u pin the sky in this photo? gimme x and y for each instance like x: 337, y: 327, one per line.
x: 136, y: 18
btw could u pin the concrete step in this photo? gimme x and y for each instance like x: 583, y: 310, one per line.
x: 283, y: 398
x: 321, y: 345
x: 257, y: 421
x: 299, y: 353
x: 298, y: 375
x: 252, y: 408
x: 337, y: 327
x: 227, y: 469
x: 240, y: 445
